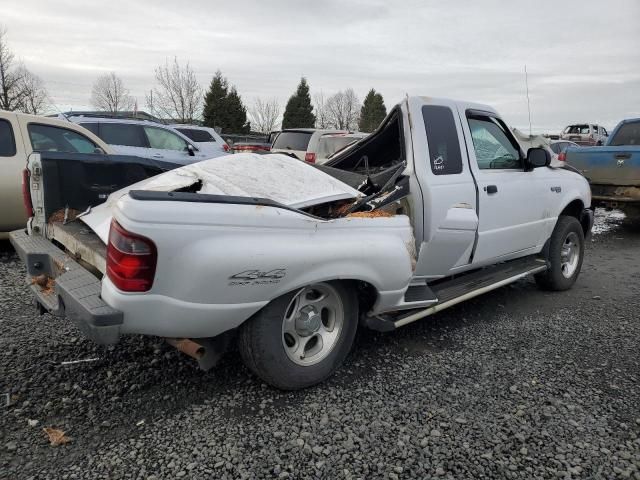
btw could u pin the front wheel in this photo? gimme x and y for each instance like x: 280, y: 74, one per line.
x: 566, y: 251
x: 301, y: 338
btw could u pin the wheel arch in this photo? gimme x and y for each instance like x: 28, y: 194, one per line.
x: 574, y: 209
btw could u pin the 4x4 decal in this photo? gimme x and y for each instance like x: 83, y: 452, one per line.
x: 257, y: 277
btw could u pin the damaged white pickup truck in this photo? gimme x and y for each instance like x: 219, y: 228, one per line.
x: 437, y: 206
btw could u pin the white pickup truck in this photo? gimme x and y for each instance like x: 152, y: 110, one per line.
x: 437, y: 206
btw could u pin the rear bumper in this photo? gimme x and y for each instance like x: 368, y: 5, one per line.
x: 75, y: 292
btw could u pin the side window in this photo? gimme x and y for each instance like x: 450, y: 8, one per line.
x: 7, y: 140
x: 494, y: 150
x: 164, y: 139
x: 46, y: 138
x: 126, y: 134
x: 444, y: 147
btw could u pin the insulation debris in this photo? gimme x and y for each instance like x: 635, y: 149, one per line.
x: 56, y: 437
x: 45, y: 282
x: 64, y: 215
x: 371, y: 214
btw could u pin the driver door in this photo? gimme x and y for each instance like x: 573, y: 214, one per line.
x: 511, y: 201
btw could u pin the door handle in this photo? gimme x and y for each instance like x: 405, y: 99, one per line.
x: 157, y: 155
x: 491, y: 189
x: 622, y: 156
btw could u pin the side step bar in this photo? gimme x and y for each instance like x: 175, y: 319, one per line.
x: 465, y: 287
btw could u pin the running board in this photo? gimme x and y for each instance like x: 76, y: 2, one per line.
x: 467, y: 286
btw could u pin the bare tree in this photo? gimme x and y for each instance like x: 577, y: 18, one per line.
x: 110, y: 95
x: 19, y: 88
x: 343, y: 110
x: 178, y: 95
x: 264, y: 115
x: 10, y: 92
x: 320, y: 110
x: 35, y: 99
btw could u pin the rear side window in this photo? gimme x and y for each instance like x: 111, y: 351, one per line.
x: 92, y: 127
x: 197, y: 135
x: 129, y: 135
x: 330, y: 145
x: 7, y: 140
x: 627, y: 134
x: 293, y: 140
x: 45, y: 138
x: 444, y: 147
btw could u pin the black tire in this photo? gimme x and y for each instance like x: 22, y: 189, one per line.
x: 557, y: 277
x: 260, y: 342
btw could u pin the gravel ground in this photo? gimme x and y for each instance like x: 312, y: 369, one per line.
x: 516, y: 384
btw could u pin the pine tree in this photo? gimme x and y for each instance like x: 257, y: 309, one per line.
x: 214, y: 108
x: 237, y: 114
x: 223, y: 107
x: 373, y: 112
x: 299, y: 111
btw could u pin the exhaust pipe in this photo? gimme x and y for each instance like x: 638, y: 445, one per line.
x: 188, y: 347
x: 206, y: 351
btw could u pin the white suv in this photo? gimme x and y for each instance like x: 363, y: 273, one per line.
x: 205, y: 138
x: 585, y: 134
x: 143, y: 139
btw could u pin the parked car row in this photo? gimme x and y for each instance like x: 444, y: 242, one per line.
x: 149, y: 139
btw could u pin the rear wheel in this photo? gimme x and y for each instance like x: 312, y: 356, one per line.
x: 566, y: 251
x: 301, y: 338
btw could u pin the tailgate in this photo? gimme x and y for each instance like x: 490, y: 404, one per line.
x: 607, y: 165
x: 64, y: 288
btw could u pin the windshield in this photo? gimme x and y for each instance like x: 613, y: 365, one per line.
x: 293, y: 140
x: 627, y: 134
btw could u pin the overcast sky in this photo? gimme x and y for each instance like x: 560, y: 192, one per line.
x: 583, y: 57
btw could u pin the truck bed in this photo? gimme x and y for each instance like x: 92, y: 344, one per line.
x: 81, y: 243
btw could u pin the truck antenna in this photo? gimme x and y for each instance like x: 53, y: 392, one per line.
x: 526, y: 81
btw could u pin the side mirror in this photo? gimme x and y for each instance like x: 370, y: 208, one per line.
x: 98, y: 150
x: 191, y: 150
x: 536, y: 158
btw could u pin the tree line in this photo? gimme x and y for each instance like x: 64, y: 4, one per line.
x: 178, y: 96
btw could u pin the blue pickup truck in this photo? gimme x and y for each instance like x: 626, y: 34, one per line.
x: 613, y: 171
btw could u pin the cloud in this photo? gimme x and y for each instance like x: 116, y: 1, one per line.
x: 580, y: 68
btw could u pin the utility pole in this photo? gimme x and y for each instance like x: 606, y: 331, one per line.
x: 526, y: 81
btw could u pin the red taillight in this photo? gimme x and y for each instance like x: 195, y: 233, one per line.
x: 251, y: 148
x: 26, y: 193
x: 310, y: 157
x: 562, y: 157
x: 225, y: 147
x: 131, y: 260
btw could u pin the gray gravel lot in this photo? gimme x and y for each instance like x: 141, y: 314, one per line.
x: 519, y: 383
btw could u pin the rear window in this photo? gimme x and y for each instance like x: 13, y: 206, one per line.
x: 7, y: 141
x: 444, y: 148
x: 129, y: 135
x: 293, y: 140
x: 578, y: 129
x: 627, y: 134
x: 45, y: 138
x: 329, y: 145
x: 197, y: 135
